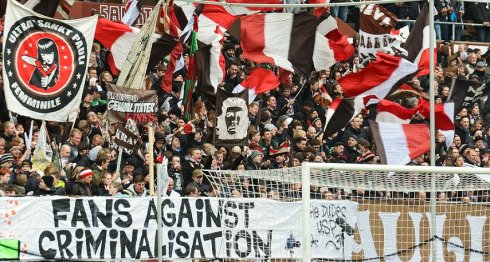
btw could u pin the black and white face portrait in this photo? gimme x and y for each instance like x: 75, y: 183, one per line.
x: 232, y: 119
x: 233, y: 122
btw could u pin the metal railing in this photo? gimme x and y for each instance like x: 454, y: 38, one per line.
x: 453, y: 24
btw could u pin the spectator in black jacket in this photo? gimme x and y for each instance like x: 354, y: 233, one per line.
x: 481, y: 15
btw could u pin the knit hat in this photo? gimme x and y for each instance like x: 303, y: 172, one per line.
x: 269, y: 127
x: 481, y: 63
x: 131, y: 161
x: 159, y: 137
x: 228, y: 46
x: 6, y: 158
x: 255, y: 153
x: 48, y: 180
x: 86, y: 172
x: 92, y: 154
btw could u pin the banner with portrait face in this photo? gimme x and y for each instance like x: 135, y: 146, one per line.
x: 232, y: 124
x: 44, y: 63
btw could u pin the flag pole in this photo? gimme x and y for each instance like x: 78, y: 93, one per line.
x: 432, y: 130
x: 151, y: 164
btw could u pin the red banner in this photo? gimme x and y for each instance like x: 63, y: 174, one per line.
x: 110, y: 11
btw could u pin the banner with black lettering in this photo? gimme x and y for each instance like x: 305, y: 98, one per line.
x: 44, y: 63
x: 376, y: 33
x: 232, y: 124
x: 206, y: 228
x: 136, y: 104
x: 126, y: 140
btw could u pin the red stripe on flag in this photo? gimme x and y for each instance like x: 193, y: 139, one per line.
x: 107, y: 33
x: 167, y: 78
x: 262, y: 80
x: 424, y: 62
x: 335, y: 104
x: 253, y: 29
x: 417, y: 139
x: 374, y: 74
x: 443, y: 121
x: 342, y: 49
x: 395, y: 109
x: 219, y: 15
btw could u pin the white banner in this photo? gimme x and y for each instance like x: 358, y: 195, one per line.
x: 44, y: 63
x: 126, y: 228
x: 370, y: 44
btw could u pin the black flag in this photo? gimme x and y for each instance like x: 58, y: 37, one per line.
x: 465, y: 93
x: 232, y: 126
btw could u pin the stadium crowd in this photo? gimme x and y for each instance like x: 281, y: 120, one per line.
x: 286, y: 129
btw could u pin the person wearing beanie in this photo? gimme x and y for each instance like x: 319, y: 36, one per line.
x: 229, y: 53
x: 83, y: 186
x: 350, y: 149
x: 6, y: 160
x: 45, y: 186
x: 255, y: 161
x: 197, y: 178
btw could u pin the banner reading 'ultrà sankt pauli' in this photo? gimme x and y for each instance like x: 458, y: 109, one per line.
x: 125, y: 103
x: 44, y: 63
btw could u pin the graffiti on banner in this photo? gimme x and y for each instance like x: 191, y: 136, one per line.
x: 128, y: 141
x: 136, y: 104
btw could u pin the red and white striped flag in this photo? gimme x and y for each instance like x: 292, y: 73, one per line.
x: 319, y: 11
x: 417, y: 43
x: 210, y: 66
x: 328, y: 27
x: 341, y: 112
x: 444, y: 118
x: 391, y: 112
x: 133, y: 10
x: 379, y: 77
x: 211, y: 17
x: 166, y: 84
x: 259, y: 81
x: 118, y: 37
x: 289, y: 41
x: 397, y: 144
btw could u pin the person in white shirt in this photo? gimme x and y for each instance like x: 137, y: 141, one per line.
x: 170, y: 192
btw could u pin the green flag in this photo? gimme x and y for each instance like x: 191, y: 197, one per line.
x: 192, y: 74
